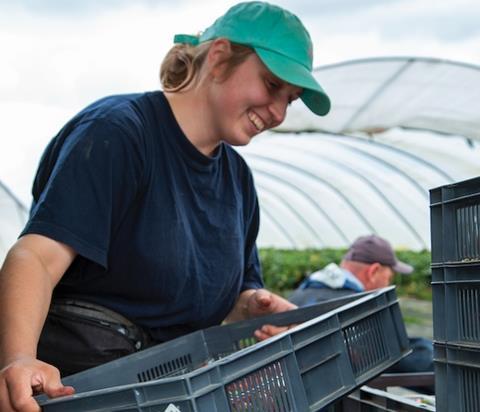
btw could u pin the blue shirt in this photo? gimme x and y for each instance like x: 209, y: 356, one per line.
x: 164, y: 235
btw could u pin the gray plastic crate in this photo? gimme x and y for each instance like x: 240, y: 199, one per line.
x: 455, y: 222
x: 375, y: 400
x: 456, y: 303
x: 455, y: 235
x: 457, y: 378
x: 304, y: 369
x: 191, y: 351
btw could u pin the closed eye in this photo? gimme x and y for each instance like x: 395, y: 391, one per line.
x: 272, y: 84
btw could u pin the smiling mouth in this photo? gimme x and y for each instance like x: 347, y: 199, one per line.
x: 257, y: 121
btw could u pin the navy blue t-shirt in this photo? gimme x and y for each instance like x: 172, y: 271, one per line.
x: 164, y: 234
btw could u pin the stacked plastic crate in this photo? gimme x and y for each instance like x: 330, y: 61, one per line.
x: 455, y: 232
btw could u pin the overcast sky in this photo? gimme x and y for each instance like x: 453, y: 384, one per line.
x: 59, y: 55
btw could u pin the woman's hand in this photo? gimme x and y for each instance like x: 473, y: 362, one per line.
x: 32, y: 268
x: 267, y: 331
x: 25, y: 377
x: 253, y: 303
x: 263, y: 302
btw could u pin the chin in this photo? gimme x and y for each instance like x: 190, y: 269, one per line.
x: 239, y: 140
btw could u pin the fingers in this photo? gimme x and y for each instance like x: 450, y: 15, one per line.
x: 264, y: 302
x: 260, y: 335
x: 271, y: 302
x: 60, y: 391
x: 22, y: 379
x: 267, y: 331
x: 16, y: 391
x: 281, y: 304
x: 49, y: 382
x: 263, y: 298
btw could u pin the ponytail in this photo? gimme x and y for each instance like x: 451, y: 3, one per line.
x: 183, y: 62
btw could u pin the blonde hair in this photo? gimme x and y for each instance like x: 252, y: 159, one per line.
x: 183, y: 62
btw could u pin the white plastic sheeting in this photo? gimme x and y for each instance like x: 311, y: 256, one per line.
x: 381, y: 93
x: 321, y: 190
x: 13, y: 216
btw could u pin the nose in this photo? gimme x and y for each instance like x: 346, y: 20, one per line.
x: 278, y: 110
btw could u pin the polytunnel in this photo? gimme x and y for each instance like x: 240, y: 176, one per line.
x: 398, y: 127
x: 12, y: 218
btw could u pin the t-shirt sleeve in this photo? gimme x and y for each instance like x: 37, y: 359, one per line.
x: 253, y: 273
x: 94, y: 181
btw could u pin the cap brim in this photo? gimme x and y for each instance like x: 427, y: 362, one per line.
x: 295, y: 73
x: 403, y: 268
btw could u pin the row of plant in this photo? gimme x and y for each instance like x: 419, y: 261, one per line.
x: 283, y: 270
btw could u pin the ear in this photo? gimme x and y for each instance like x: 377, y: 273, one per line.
x: 220, y: 50
x: 372, y: 270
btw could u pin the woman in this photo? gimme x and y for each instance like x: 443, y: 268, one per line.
x: 144, y: 217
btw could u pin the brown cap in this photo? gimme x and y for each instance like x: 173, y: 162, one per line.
x: 374, y: 249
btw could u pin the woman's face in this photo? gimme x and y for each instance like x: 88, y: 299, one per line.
x: 249, y: 101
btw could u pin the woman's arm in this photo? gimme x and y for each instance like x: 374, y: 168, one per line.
x: 32, y: 268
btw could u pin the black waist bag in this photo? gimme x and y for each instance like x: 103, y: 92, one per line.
x: 78, y: 335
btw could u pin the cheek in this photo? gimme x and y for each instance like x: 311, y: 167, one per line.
x: 222, y: 93
x: 233, y: 97
x: 387, y: 279
x: 251, y: 91
x: 382, y: 280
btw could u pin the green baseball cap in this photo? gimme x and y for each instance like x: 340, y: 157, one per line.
x: 280, y: 40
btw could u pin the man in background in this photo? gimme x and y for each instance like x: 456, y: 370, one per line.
x: 370, y: 263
